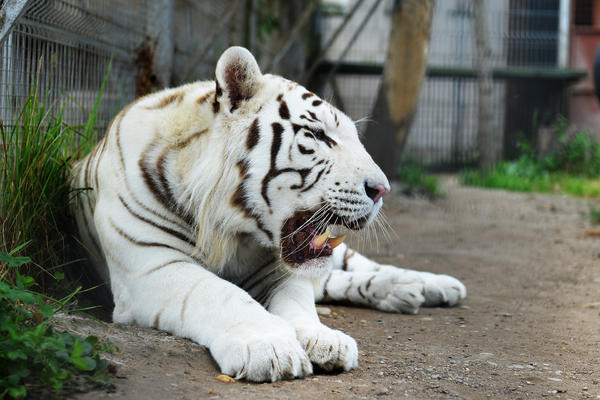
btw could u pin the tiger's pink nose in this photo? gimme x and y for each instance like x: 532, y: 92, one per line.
x: 377, y: 192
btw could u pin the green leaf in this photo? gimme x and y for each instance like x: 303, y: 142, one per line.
x: 25, y: 297
x: 91, y: 363
x: 77, y: 349
x: 15, y: 354
x: 93, y: 340
x: 17, y: 392
x: 46, y: 310
x: 13, y: 261
x: 59, y: 276
x: 27, y: 281
x: 87, y: 348
x: 80, y: 363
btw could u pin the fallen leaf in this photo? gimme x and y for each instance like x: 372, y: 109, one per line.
x: 225, y: 378
x: 594, y: 234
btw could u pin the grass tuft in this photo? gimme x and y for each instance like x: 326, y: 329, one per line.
x: 35, y: 159
x: 574, y: 169
x: 415, y: 181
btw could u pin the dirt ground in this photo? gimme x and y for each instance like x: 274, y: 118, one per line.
x: 529, y: 328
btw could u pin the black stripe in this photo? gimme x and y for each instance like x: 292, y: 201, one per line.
x: 165, y: 229
x: 284, y: 111
x: 166, y: 264
x: 253, y: 135
x: 140, y: 242
x: 315, y: 181
x: 274, y: 171
x: 304, y: 150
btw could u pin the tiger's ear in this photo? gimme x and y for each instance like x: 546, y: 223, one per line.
x: 238, y: 77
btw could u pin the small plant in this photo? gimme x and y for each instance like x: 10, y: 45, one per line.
x: 594, y: 214
x: 573, y: 168
x: 578, y: 155
x: 36, y: 360
x: 416, y: 181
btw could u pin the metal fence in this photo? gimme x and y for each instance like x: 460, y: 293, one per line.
x: 522, y: 33
x: 64, y: 47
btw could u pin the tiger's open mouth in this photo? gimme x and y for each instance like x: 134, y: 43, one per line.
x: 305, y: 237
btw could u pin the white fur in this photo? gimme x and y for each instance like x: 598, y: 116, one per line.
x: 180, y: 221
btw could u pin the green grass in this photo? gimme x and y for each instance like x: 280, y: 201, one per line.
x: 35, y: 159
x: 415, y: 180
x: 35, y: 359
x: 573, y: 169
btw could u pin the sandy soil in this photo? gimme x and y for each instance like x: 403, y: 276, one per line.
x: 529, y: 328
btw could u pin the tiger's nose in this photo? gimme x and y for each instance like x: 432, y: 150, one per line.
x: 376, y: 192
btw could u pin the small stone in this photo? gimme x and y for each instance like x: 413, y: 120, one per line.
x: 325, y: 311
x: 515, y: 366
x: 389, y: 338
x: 554, y: 379
x: 585, y: 388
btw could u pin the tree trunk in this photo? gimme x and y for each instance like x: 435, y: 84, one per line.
x: 486, y: 143
x: 401, y: 84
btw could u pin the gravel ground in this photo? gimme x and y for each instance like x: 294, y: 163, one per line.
x: 529, y: 328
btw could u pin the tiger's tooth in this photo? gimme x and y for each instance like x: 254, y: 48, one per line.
x: 321, y: 239
x: 336, y: 241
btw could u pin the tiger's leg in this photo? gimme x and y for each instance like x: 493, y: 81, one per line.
x: 294, y: 301
x: 157, y: 285
x: 359, y: 280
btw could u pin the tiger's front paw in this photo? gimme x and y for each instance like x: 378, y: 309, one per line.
x: 268, y: 354
x: 328, y: 348
x: 443, y: 290
x: 392, y: 290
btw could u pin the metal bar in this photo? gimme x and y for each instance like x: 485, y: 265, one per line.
x: 10, y: 13
x: 308, y: 74
x: 564, y: 16
x: 352, y: 40
x: 201, y: 51
x: 293, y: 35
x: 549, y: 73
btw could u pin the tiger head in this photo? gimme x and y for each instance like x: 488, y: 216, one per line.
x: 301, y: 165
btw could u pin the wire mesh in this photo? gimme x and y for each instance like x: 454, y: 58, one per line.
x: 63, y: 48
x: 522, y: 33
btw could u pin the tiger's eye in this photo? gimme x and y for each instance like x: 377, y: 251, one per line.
x: 320, y: 134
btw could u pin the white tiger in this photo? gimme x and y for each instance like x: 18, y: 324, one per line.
x: 208, y: 214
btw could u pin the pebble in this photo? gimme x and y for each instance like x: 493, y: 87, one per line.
x: 555, y: 379
x: 515, y: 366
x: 324, y: 311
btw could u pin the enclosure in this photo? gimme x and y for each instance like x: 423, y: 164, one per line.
x: 530, y: 261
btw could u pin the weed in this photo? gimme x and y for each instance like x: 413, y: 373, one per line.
x: 573, y: 168
x: 36, y: 360
x: 416, y: 181
x: 36, y: 154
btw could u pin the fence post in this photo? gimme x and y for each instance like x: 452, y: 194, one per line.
x: 161, y: 16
